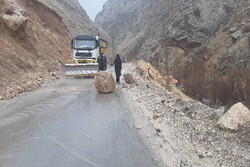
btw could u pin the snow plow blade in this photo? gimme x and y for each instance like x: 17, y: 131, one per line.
x: 75, y: 70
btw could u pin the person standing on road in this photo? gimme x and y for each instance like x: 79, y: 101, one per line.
x: 102, y: 61
x: 118, y: 67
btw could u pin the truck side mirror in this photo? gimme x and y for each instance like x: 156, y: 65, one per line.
x: 72, y: 42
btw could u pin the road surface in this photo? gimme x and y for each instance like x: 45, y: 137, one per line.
x: 69, y: 124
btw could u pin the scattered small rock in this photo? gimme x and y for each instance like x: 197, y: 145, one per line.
x: 201, y: 156
x: 138, y: 100
x: 53, y: 74
x: 158, y: 130
x: 129, y: 79
x: 237, y: 35
x: 209, y: 155
x: 176, y: 111
x: 124, y: 86
x: 183, y: 163
x: 139, y: 71
x: 163, y: 101
x: 232, y: 30
x: 139, y: 128
x: 218, y: 150
x: 155, y: 116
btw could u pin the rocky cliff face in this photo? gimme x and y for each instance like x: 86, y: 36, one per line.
x: 187, y: 39
x: 74, y: 16
x: 221, y: 67
x: 34, y: 42
x: 118, y: 18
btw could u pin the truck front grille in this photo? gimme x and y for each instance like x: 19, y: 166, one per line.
x: 83, y: 55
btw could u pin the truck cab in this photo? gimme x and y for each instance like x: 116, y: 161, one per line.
x: 85, y: 49
x: 88, y: 56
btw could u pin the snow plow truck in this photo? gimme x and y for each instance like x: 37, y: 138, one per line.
x: 88, y: 56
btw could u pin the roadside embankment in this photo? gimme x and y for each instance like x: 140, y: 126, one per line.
x: 34, y: 46
x: 184, y: 132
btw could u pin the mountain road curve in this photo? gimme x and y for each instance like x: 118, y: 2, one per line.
x: 67, y: 123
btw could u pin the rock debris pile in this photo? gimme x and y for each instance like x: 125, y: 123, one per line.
x: 189, y: 127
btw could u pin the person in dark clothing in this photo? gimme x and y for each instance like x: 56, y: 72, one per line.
x: 102, y: 61
x: 118, y: 67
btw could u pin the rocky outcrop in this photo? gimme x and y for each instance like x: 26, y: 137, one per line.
x: 221, y: 67
x: 14, y: 21
x: 142, y: 26
x: 13, y: 16
x: 187, y: 39
x: 235, y: 117
x: 105, y: 82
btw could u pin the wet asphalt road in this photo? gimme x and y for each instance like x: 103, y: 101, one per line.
x: 69, y: 124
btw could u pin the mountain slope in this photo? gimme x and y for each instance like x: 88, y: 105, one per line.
x: 34, y: 45
x: 74, y: 16
x: 118, y: 17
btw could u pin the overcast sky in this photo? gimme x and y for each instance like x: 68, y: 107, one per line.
x: 92, y: 7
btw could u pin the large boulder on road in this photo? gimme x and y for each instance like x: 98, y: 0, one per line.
x: 105, y: 82
x: 235, y: 117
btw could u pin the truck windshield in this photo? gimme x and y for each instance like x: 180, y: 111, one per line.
x: 85, y: 44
